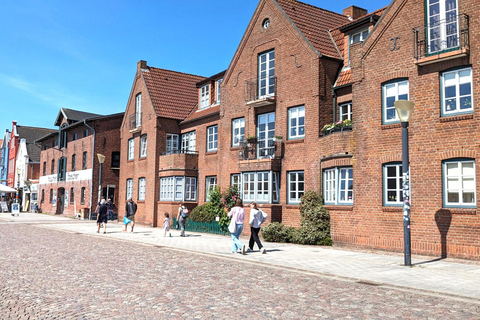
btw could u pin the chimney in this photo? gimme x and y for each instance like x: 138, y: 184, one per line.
x: 354, y: 12
x: 142, y: 64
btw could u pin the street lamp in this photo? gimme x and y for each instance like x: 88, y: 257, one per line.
x: 18, y: 186
x: 404, y: 110
x: 101, y: 159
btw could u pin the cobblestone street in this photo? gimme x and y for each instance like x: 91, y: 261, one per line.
x: 50, y: 274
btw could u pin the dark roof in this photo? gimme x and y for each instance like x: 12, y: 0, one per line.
x: 73, y: 116
x: 173, y: 94
x: 214, y: 77
x: 30, y: 134
x: 314, y: 23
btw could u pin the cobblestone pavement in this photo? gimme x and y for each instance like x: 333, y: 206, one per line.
x: 53, y: 274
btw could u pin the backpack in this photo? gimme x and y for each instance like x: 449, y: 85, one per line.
x: 184, y: 212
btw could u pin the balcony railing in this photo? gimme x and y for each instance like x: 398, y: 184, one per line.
x: 442, y: 37
x: 269, y: 149
x: 260, y: 91
x: 179, y: 151
x: 133, y: 122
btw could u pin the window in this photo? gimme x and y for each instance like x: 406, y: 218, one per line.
x: 358, y: 36
x: 393, y: 91
x: 238, y: 131
x: 338, y: 186
x: 84, y: 160
x: 188, y: 142
x: 62, y: 168
x: 210, y: 183
x: 131, y: 149
x: 235, y: 181
x: 52, y: 167
x: 265, y: 134
x: 85, y: 133
x: 217, y: 89
x: 82, y: 196
x: 116, y: 159
x: 296, y: 122
x: 260, y: 186
x: 212, y: 138
x: 178, y: 188
x: 51, y: 196
x: 74, y: 162
x: 129, y: 193
x: 266, y: 74
x: 138, y: 110
x: 63, y: 138
x: 345, y: 111
x: 442, y: 25
x: 459, y: 183
x: 141, y: 189
x: 296, y: 186
x: 42, y: 199
x: 393, y: 184
x: 44, y: 169
x: 172, y: 143
x: 72, y: 195
x: 143, y: 146
x: 75, y: 136
x: 456, y: 92
x: 205, y: 96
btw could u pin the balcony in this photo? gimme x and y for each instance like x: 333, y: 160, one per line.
x: 253, y: 157
x: 134, y: 124
x: 178, y: 162
x: 442, y: 40
x: 260, y: 92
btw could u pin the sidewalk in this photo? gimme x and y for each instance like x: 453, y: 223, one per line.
x: 446, y: 277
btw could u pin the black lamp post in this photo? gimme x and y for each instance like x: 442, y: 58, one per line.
x: 404, y: 110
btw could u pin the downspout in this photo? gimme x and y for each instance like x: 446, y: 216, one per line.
x: 334, y: 94
x: 93, y: 162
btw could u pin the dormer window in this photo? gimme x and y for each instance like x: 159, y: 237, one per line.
x: 359, y: 36
x: 217, y: 90
x: 205, y: 96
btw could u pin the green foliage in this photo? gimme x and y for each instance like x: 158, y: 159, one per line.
x: 277, y: 232
x: 220, y: 203
x: 202, y: 214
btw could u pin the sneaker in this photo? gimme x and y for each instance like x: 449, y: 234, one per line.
x: 169, y: 234
x: 243, y: 249
x: 249, y: 250
x: 263, y: 250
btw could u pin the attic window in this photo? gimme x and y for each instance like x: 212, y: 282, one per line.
x: 266, y: 23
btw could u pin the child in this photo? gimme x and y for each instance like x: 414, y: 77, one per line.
x: 166, y: 225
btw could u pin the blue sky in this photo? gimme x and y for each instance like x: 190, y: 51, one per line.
x: 82, y: 54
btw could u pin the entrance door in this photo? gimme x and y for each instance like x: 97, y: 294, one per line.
x: 60, y: 200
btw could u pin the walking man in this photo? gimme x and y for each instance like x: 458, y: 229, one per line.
x: 130, y: 210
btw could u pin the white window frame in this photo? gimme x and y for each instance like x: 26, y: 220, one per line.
x: 143, y: 146
x: 459, y: 181
x: 236, y: 181
x: 142, y: 183
x: 138, y: 110
x: 399, y: 90
x: 260, y: 186
x: 296, y: 186
x: 265, y: 143
x: 296, y: 122
x: 131, y: 149
x: 190, y: 189
x: 212, y: 138
x: 266, y: 74
x: 205, y: 96
x: 188, y: 142
x: 442, y: 20
x: 129, y: 190
x: 461, y: 78
x: 217, y: 90
x: 397, y: 179
x: 358, y: 36
x: 345, y: 115
x: 238, y: 131
x: 167, y: 188
x: 210, y: 182
x: 172, y: 143
x: 332, y: 185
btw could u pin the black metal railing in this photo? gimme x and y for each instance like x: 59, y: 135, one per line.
x: 442, y: 36
x: 259, y: 88
x: 133, y: 122
x: 267, y: 149
x: 179, y: 151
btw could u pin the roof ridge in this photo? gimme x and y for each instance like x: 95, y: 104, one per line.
x: 311, y: 5
x: 178, y: 72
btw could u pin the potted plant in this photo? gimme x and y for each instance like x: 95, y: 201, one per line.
x: 251, y: 139
x: 277, y: 138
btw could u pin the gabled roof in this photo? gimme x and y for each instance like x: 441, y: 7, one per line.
x: 314, y: 23
x: 72, y: 116
x: 30, y: 134
x: 173, y: 94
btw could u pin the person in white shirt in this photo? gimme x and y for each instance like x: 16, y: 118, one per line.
x: 257, y: 217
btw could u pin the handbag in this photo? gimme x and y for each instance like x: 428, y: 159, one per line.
x: 232, y: 227
x: 126, y: 220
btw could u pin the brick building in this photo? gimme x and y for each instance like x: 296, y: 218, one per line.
x: 70, y: 167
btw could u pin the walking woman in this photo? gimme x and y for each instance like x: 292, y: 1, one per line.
x: 257, y: 217
x: 237, y: 213
x: 102, y: 216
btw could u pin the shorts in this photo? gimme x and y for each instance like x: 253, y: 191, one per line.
x: 131, y: 218
x: 102, y: 218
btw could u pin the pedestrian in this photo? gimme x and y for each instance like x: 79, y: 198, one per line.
x: 237, y: 214
x: 166, y: 225
x: 130, y: 210
x: 257, y: 217
x: 182, y: 218
x: 102, y: 216
x: 97, y: 208
x: 110, y: 206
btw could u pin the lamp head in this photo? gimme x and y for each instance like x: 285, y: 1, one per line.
x: 404, y: 109
x: 101, y: 157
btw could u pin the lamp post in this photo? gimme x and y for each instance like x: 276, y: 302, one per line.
x: 18, y: 186
x: 404, y: 110
x: 101, y: 159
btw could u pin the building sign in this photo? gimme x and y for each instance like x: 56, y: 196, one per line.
x: 52, y: 178
x: 79, y: 175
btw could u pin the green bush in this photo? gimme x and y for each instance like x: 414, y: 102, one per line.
x: 202, y: 214
x: 277, y: 232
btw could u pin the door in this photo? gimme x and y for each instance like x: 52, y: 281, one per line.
x: 60, y: 200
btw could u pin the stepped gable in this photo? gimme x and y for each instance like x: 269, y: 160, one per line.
x: 314, y: 23
x: 173, y: 94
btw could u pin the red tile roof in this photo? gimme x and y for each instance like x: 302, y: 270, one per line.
x: 200, y: 114
x: 344, y: 78
x: 173, y: 94
x: 314, y: 24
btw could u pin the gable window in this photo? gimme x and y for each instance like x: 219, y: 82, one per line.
x: 345, y: 111
x: 52, y: 167
x: 131, y: 149
x: 84, y: 160
x: 265, y: 134
x: 129, y: 193
x: 393, y: 184
x: 393, y: 91
x: 115, y: 160
x: 85, y: 133
x: 188, y: 142
x: 442, y: 25
x: 82, y: 195
x: 75, y: 136
x: 260, y: 186
x: 178, y: 188
x: 296, y: 122
x: 138, y: 110
x: 205, y: 96
x: 210, y: 183
x: 44, y: 170
x: 358, y: 36
x: 172, y: 143
x: 212, y: 138
x: 296, y: 186
x: 266, y: 74
x: 72, y: 195
x: 456, y: 89
x: 141, y: 189
x: 238, y: 131
x: 338, y: 185
x: 74, y: 162
x: 459, y: 183
x: 217, y: 90
x: 143, y: 146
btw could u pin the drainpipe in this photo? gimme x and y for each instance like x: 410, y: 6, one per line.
x: 334, y: 94
x: 93, y: 163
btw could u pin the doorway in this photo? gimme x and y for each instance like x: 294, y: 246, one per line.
x: 60, y: 200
